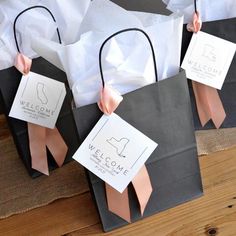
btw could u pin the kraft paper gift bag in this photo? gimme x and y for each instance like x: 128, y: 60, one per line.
x: 225, y: 29
x: 10, y: 79
x: 161, y: 111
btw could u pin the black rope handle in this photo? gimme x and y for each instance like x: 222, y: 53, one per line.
x: 123, y: 31
x: 195, y: 6
x: 27, y: 9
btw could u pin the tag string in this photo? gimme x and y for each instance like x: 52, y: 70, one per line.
x: 27, y: 9
x: 123, y: 31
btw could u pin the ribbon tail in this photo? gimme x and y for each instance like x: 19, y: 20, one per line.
x: 143, y: 187
x: 118, y: 203
x: 56, y: 145
x: 201, y: 102
x: 37, y: 137
x: 216, y: 107
x: 209, y: 105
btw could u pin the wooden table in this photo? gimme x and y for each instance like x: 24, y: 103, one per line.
x: 212, y: 214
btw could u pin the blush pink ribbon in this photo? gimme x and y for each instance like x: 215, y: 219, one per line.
x: 196, y: 24
x: 41, y: 137
x: 208, y: 102
x: 109, y: 100
x: 118, y: 203
x: 23, y: 63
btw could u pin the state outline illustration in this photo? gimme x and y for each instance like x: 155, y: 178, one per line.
x: 119, y: 149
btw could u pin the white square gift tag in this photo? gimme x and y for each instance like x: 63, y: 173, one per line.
x: 38, y: 100
x: 115, y: 151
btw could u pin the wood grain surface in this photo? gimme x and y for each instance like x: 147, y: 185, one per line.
x: 212, y: 214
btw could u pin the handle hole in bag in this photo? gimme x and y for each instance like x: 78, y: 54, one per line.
x: 27, y: 9
x: 124, y: 31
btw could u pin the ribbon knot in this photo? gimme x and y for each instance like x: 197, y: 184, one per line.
x: 118, y: 203
x: 196, y: 23
x: 109, y: 100
x: 23, y: 63
x: 41, y: 138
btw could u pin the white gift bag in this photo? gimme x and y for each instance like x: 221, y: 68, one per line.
x: 37, y: 22
x: 127, y: 58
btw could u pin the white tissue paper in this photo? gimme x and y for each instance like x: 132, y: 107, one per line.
x: 177, y: 4
x: 210, y: 10
x: 127, y: 61
x: 37, y: 22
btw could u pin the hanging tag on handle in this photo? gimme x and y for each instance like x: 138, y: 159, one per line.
x: 38, y: 101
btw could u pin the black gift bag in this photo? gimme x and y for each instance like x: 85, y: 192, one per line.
x: 162, y: 111
x: 1, y: 109
x: 225, y: 29
x: 10, y: 80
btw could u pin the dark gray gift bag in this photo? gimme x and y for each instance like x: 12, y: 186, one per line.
x: 225, y: 29
x: 10, y: 80
x: 151, y: 6
x: 162, y: 111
